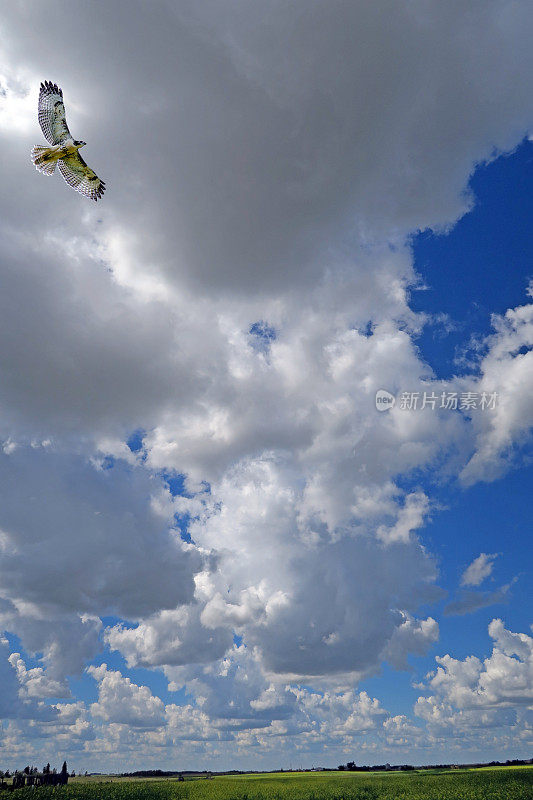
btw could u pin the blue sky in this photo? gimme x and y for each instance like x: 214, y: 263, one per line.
x: 215, y: 551
x: 480, y: 267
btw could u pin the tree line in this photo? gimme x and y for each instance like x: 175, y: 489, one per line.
x: 31, y: 776
x: 351, y: 766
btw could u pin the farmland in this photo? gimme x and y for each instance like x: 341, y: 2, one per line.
x: 487, y: 784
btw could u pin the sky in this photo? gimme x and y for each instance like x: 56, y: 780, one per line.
x: 265, y: 409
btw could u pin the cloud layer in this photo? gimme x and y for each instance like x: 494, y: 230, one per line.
x: 236, y: 302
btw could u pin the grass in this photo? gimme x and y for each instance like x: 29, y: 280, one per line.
x: 487, y: 784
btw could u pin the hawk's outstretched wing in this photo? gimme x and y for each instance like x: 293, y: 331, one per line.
x: 81, y: 177
x: 52, y: 113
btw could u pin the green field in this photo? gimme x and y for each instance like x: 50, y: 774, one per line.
x: 487, y: 784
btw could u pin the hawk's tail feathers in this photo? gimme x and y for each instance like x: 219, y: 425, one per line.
x: 39, y: 158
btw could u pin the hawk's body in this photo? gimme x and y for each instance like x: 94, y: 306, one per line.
x: 65, y: 150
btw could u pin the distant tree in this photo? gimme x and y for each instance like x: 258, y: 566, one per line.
x: 72, y: 774
x: 341, y: 767
x: 46, y: 770
x: 64, y: 770
x: 26, y: 770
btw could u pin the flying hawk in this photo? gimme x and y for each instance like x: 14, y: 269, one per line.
x: 65, y: 150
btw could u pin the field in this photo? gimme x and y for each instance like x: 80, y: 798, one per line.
x: 487, y: 784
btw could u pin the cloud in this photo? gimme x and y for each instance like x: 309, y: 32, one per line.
x: 17, y: 702
x: 469, y: 601
x: 413, y: 636
x: 233, y: 703
x: 302, y: 593
x: 295, y: 124
x: 236, y: 689
x: 505, y: 370
x: 400, y: 731
x: 174, y: 637
x: 124, y: 702
x: 35, y: 682
x: 238, y: 695
x: 480, y: 568
x: 474, y: 693
x: 294, y: 138
x: 78, y: 543
x: 266, y: 176
x: 411, y: 517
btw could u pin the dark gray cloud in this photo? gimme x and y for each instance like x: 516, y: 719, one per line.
x: 469, y: 601
x: 242, y: 144
x: 82, y: 539
x: 79, y: 543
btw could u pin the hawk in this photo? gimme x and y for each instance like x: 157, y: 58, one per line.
x: 65, y: 150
